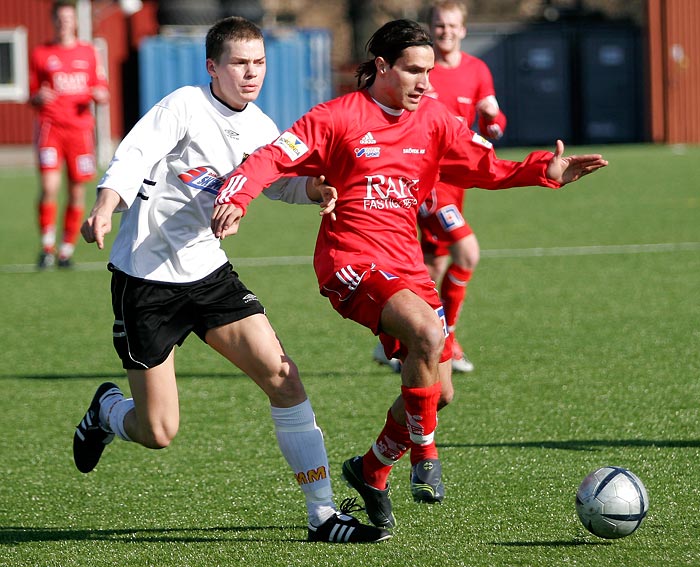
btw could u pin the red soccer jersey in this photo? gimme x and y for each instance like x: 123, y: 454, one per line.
x: 72, y: 72
x: 382, y: 166
x: 461, y: 87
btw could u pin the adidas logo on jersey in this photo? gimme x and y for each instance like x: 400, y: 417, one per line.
x: 368, y: 139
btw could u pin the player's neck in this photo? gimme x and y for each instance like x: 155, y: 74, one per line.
x: 67, y: 41
x: 450, y: 59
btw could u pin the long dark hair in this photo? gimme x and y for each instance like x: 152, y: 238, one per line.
x: 388, y: 42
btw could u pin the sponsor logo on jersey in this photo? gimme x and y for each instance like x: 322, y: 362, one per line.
x: 53, y: 63
x: 203, y: 179
x: 450, y: 218
x: 81, y: 64
x: 71, y: 83
x: 231, y: 134
x: 291, y: 145
x: 368, y: 139
x: 464, y: 99
x: 384, y: 192
x: 249, y: 297
x: 419, y: 151
x: 479, y: 139
x: 372, y: 152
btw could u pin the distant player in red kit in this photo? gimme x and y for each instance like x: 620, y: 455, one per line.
x: 65, y: 78
x: 382, y: 148
x: 465, y: 84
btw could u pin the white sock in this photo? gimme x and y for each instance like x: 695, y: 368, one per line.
x: 66, y: 250
x: 116, y: 415
x: 107, y: 401
x: 301, y: 443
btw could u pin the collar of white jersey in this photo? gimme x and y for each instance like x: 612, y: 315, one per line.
x: 217, y: 99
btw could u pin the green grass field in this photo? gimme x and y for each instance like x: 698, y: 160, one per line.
x: 583, y: 321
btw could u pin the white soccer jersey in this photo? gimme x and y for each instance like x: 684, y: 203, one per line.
x: 165, y: 232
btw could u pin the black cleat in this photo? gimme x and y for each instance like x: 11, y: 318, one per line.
x: 426, y: 482
x: 90, y: 438
x: 46, y: 260
x: 65, y: 262
x: 377, y: 503
x: 344, y: 528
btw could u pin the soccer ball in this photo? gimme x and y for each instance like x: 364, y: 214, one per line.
x: 611, y: 502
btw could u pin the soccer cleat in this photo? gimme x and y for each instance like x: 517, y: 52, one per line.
x: 380, y: 357
x: 377, y: 503
x: 46, y: 260
x: 460, y: 362
x: 344, y: 528
x: 426, y: 481
x: 90, y: 438
x: 65, y: 262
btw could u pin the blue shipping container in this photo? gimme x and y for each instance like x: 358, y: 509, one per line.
x: 298, y: 71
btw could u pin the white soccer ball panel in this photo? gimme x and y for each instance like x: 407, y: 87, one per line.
x: 611, y: 502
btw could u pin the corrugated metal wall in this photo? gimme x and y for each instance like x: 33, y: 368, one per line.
x: 298, y: 71
x: 674, y: 59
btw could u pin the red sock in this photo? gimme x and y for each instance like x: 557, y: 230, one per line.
x: 47, y: 219
x: 72, y: 220
x: 391, y: 445
x: 421, y: 420
x: 453, y: 291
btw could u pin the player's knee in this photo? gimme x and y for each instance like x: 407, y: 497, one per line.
x: 159, y: 436
x: 284, y: 386
x: 430, y: 341
x: 446, y: 396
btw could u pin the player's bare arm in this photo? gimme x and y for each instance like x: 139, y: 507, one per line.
x: 571, y: 168
x: 99, y: 221
x: 325, y: 195
x: 225, y: 220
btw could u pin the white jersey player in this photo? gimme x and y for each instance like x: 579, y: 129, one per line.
x: 170, y: 276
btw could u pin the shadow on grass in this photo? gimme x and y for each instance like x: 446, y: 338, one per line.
x: 555, y: 543
x: 14, y: 535
x: 582, y: 444
x: 234, y: 374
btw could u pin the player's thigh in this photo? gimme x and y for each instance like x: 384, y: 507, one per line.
x: 79, y: 149
x: 156, y: 401
x: 252, y: 345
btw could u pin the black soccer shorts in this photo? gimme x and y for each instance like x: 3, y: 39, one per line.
x: 151, y: 318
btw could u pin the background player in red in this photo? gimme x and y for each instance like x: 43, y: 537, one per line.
x: 464, y: 83
x: 65, y: 78
x: 382, y: 148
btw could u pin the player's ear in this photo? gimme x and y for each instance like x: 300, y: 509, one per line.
x: 211, y: 68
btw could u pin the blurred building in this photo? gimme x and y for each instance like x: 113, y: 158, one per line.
x: 587, y: 70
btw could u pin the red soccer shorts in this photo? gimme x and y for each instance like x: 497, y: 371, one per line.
x: 440, y: 220
x: 75, y: 146
x: 360, y: 292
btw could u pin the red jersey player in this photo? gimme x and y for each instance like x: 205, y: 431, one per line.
x: 464, y: 83
x: 381, y: 148
x: 64, y: 79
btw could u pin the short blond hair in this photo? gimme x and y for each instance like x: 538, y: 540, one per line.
x: 446, y: 5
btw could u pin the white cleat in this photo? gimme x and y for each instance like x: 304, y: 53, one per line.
x: 380, y: 357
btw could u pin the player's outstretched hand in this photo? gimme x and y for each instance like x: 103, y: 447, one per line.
x: 571, y: 168
x: 99, y: 223
x: 95, y: 227
x: 225, y: 220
